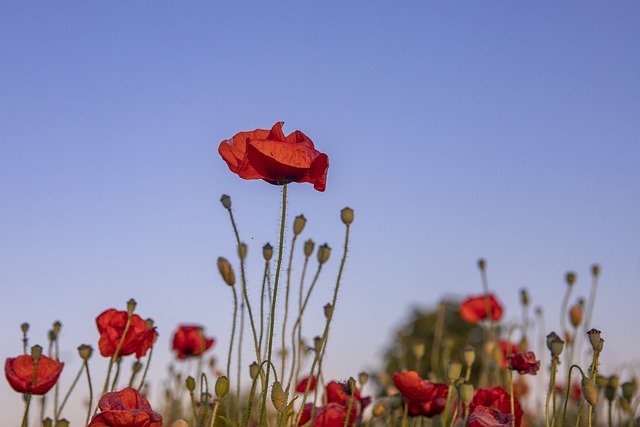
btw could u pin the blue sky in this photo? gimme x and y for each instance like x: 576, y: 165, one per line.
x: 456, y: 130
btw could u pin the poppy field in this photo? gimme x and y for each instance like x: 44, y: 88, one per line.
x: 487, y: 373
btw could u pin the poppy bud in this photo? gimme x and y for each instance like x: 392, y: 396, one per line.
x: 570, y: 278
x: 298, y: 224
x: 524, y: 297
x: 85, y: 351
x: 454, y: 371
x: 62, y: 423
x: 346, y: 215
x: 363, y: 378
x: 267, y: 252
x: 191, y: 383
x: 466, y: 392
x: 379, y: 409
x: 308, y: 248
x: 328, y: 310
x: 317, y: 343
x: 482, y: 264
x: 575, y: 315
x: 137, y: 365
x: 226, y: 271
x: 610, y: 393
x: 278, y: 397
x: 555, y: 344
x: 24, y: 327
x: 323, y: 253
x: 226, y: 201
x: 36, y: 352
x: 601, y: 381
x: 242, y: 250
x: 595, y: 270
x: 180, y: 423
x: 254, y: 370
x: 47, y: 422
x: 589, y: 391
x: 469, y: 355
x: 56, y: 328
x: 594, y: 339
x: 222, y: 387
x: 131, y: 306
x: 419, y: 350
x: 629, y: 389
x: 351, y: 386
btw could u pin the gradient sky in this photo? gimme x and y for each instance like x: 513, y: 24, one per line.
x: 456, y: 130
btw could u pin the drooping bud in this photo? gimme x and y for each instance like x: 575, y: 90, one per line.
x: 254, y: 370
x: 323, y: 253
x: 570, y: 278
x: 36, y: 352
x: 222, y: 387
x: 308, y: 248
x: 85, y: 351
x: 595, y: 270
x: 226, y: 201
x: 267, y: 252
x: 242, y: 250
x: 328, y: 310
x: 346, y: 215
x: 419, y: 349
x: 482, y: 264
x: 595, y: 339
x: 589, y: 391
x: 454, y: 371
x: 278, y: 397
x: 226, y: 271
x: 524, y: 297
x: 466, y: 392
x: 469, y: 355
x: 363, y: 378
x: 131, y: 306
x: 298, y: 224
x: 190, y: 383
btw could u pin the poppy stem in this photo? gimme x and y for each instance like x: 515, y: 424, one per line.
x: 86, y: 367
x: 286, y: 305
x: 146, y: 369
x: 566, y: 398
x: 552, y: 388
x: 512, y: 399
x: 115, y: 354
x: 264, y: 282
x: 265, y: 389
x: 57, y: 411
x: 233, y: 333
x: 25, y: 418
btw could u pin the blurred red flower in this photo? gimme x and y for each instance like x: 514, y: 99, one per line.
x: 506, y: 350
x: 524, y: 363
x: 329, y: 415
x: 111, y: 325
x: 474, y: 309
x: 302, y: 385
x: 488, y: 417
x: 269, y: 155
x: 19, y: 373
x: 423, y: 397
x: 498, y: 399
x: 189, y: 341
x: 125, y: 408
x: 337, y: 393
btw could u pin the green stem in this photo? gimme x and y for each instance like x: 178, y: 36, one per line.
x: 86, y: 367
x: 115, y: 354
x: 146, y: 369
x: 512, y: 398
x: 56, y: 414
x: 265, y: 389
x: 286, y: 303
x: 117, y: 375
x: 566, y: 398
x: 552, y: 388
x: 349, y: 409
x: 447, y: 408
x: 215, y: 411
x: 264, y: 281
x: 25, y: 417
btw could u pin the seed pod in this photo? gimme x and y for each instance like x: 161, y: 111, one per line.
x: 346, y: 215
x: 267, y: 252
x: 308, y: 248
x: 323, y: 253
x: 226, y: 271
x: 222, y: 387
x: 469, y: 355
x: 589, y: 391
x: 226, y: 201
x: 85, y: 351
x: 454, y: 371
x: 278, y: 397
x: 298, y: 224
x: 242, y: 250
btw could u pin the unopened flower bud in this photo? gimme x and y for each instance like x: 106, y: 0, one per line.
x: 418, y: 350
x: 594, y: 339
x: 226, y: 201
x: 85, y: 351
x: 24, y: 327
x: 242, y: 250
x: 323, y: 253
x: 222, y: 387
x: 595, y: 270
x: 379, y: 409
x: 454, y: 371
x: 180, y: 423
x: 298, y: 224
x: 346, y: 215
x: 191, y: 383
x: 254, y: 370
x: 589, y: 391
x: 570, y: 278
x: 267, y: 252
x: 131, y: 306
x: 36, y: 352
x: 482, y: 264
x: 137, y: 365
x: 278, y: 397
x: 363, y: 378
x: 469, y: 355
x: 524, y: 297
x: 308, y: 248
x: 328, y: 310
x: 575, y: 315
x: 226, y: 271
x: 466, y: 392
x: 628, y: 390
x: 555, y: 344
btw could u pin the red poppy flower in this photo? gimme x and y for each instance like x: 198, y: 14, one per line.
x: 302, y: 385
x: 423, y: 397
x: 125, y: 408
x: 189, y: 341
x: 488, y: 417
x: 524, y: 363
x: 506, y: 350
x: 474, y: 309
x: 269, y: 155
x: 337, y: 393
x: 498, y: 399
x: 19, y: 373
x: 111, y: 325
x: 330, y: 415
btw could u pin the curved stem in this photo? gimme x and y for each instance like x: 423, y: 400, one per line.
x: 566, y: 398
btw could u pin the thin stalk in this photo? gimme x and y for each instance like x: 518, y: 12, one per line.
x: 447, y: 408
x: 349, y: 409
x: 146, y: 368
x: 551, y: 390
x: 286, y: 303
x: 115, y: 354
x: 56, y: 414
x: 117, y: 375
x: 512, y: 398
x: 566, y: 398
x: 264, y: 281
x: 86, y: 367
x: 215, y: 411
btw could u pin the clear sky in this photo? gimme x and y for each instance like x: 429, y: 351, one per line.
x: 456, y: 130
